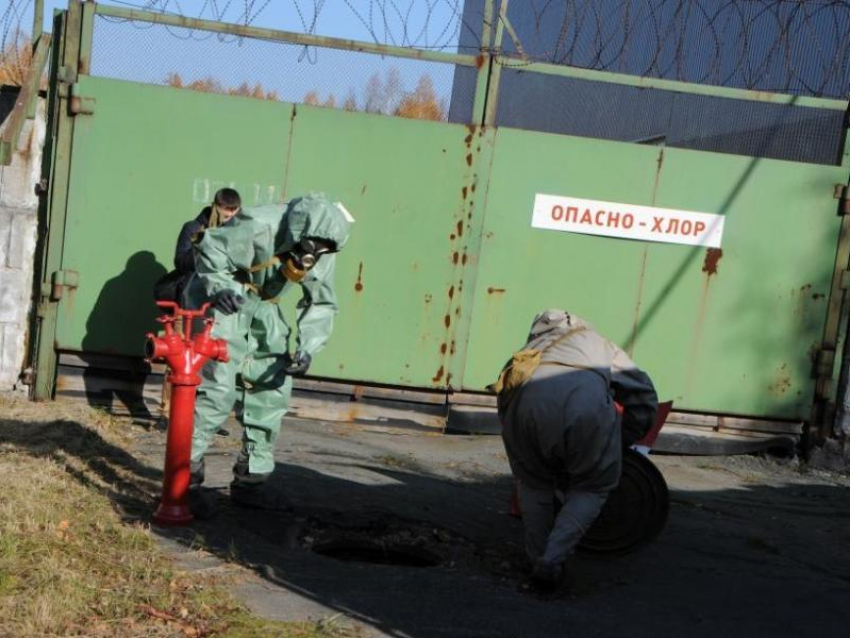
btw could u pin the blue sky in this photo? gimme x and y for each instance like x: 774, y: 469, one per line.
x: 291, y: 71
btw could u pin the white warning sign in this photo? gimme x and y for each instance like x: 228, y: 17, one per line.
x: 627, y: 221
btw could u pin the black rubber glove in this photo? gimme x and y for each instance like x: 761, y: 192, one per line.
x: 227, y: 302
x: 298, y: 364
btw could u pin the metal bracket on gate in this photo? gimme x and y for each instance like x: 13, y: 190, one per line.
x: 841, y: 192
x: 78, y: 104
x: 824, y: 360
x: 824, y: 364
x: 65, y: 78
x: 60, y: 280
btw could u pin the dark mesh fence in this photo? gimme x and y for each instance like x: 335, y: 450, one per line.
x: 650, y: 116
x: 792, y: 47
x: 784, y: 46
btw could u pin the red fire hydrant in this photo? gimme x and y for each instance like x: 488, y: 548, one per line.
x: 185, y: 356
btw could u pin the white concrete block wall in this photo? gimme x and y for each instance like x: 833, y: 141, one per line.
x: 18, y: 226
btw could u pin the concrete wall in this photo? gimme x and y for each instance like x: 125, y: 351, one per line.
x: 18, y: 224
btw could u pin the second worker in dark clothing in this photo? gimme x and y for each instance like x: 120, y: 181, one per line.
x: 561, y: 431
x: 225, y: 205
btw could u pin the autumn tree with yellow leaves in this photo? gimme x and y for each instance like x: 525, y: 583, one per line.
x: 387, y: 96
x: 15, y: 60
x: 211, y: 85
x: 422, y: 103
x: 380, y: 95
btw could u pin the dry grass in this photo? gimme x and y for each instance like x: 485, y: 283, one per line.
x: 72, y: 560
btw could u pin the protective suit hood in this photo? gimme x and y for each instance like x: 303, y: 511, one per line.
x: 550, y: 325
x: 314, y: 216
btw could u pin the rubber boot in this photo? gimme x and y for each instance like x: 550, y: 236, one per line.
x: 202, y: 501
x: 546, y: 576
x: 254, y: 491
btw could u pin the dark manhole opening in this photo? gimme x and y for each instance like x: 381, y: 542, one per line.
x: 378, y: 553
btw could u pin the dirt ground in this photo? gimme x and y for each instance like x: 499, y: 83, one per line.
x: 752, y: 546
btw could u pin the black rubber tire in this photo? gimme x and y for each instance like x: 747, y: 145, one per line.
x: 635, y: 513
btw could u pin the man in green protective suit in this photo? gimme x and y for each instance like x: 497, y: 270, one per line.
x: 242, y: 269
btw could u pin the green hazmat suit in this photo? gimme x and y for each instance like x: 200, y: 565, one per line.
x: 240, y: 257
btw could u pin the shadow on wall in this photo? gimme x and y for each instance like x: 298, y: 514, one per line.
x: 121, y: 317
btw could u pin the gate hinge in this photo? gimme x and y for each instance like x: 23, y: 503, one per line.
x: 65, y: 77
x: 840, y: 192
x: 41, y: 310
x: 79, y: 104
x: 824, y: 361
x: 65, y: 74
x: 60, y: 280
x: 824, y: 365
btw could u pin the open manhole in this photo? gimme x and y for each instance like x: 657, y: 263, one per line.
x: 377, y: 552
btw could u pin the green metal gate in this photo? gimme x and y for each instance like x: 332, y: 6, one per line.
x: 730, y: 330
x: 445, y: 271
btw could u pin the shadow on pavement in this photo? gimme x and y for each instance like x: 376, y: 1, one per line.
x: 749, y: 560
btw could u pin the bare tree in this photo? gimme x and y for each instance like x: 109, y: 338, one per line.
x: 373, y: 99
x: 350, y: 103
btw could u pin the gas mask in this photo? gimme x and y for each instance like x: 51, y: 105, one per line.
x: 301, y: 258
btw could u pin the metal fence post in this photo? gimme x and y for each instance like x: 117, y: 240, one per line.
x: 485, y: 60
x: 52, y: 230
x: 86, y: 37
x: 840, y: 424
x: 492, y: 102
x: 37, y: 21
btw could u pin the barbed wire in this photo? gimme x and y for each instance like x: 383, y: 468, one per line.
x: 792, y: 46
x: 402, y: 23
x: 12, y: 18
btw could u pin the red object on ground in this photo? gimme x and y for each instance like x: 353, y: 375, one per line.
x: 514, y: 508
x: 185, y: 356
x: 660, y: 418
